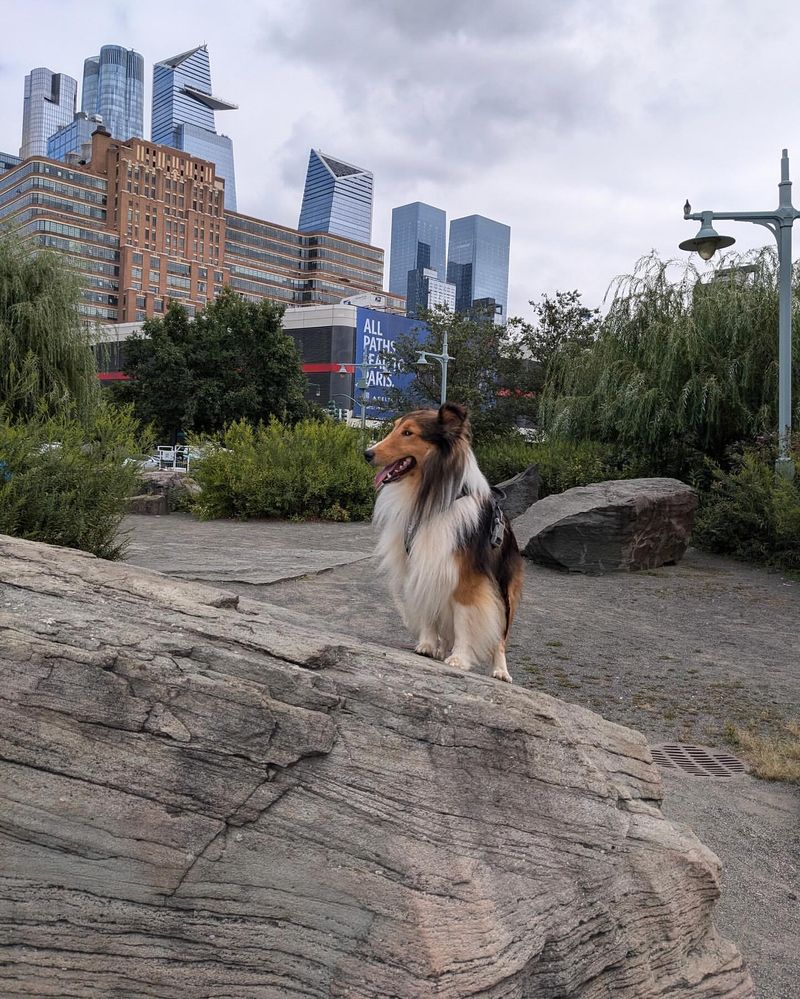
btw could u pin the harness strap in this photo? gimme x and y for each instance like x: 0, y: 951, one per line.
x: 497, y: 525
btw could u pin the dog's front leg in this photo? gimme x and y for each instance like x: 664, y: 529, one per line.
x: 428, y: 644
x: 462, y: 656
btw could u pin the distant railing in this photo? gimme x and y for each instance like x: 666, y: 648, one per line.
x: 175, y: 457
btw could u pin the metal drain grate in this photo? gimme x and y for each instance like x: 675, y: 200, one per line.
x: 697, y: 761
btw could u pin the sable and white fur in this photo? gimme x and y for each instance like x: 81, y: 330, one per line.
x: 434, y: 511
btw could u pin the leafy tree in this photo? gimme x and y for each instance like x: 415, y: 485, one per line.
x: 46, y: 361
x: 680, y: 368
x: 489, y: 372
x: 562, y: 323
x: 232, y: 362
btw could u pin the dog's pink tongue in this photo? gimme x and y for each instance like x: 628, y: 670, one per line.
x: 384, y: 472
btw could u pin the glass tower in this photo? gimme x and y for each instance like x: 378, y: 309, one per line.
x: 477, y: 264
x: 48, y: 104
x: 418, y: 245
x: 183, y: 114
x: 113, y: 87
x: 337, y: 198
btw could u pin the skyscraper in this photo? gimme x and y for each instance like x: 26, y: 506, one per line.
x: 183, y: 113
x: 417, y: 265
x: 48, y: 104
x: 477, y: 264
x: 113, y: 87
x: 337, y: 198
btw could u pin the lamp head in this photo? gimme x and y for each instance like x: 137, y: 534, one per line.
x: 342, y: 369
x: 707, y: 241
x: 422, y: 359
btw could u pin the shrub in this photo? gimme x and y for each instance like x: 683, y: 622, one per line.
x: 562, y: 464
x: 310, y: 470
x: 751, y: 513
x: 66, y: 483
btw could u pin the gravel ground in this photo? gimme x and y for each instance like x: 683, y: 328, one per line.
x: 679, y: 653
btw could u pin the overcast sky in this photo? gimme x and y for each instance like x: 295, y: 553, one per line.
x: 582, y: 124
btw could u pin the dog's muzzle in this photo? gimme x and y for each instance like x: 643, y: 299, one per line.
x: 369, y: 456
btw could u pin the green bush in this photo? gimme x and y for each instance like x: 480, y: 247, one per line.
x: 751, y: 513
x: 68, y: 483
x: 562, y: 464
x: 306, y: 471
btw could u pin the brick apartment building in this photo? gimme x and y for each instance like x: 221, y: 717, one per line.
x: 145, y: 223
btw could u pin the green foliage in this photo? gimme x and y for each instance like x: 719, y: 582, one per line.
x: 232, y: 362
x: 67, y: 483
x: 751, y: 513
x: 313, y: 469
x: 561, y: 464
x: 46, y: 362
x: 562, y: 325
x: 680, y: 367
x: 489, y: 372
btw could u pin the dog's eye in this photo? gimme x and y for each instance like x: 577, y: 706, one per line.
x: 407, y: 433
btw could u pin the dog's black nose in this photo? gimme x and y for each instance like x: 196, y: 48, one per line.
x: 368, y: 456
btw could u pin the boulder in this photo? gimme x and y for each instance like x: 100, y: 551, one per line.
x: 148, y: 504
x: 180, y: 489
x: 620, y: 525
x: 521, y: 491
x: 203, y: 795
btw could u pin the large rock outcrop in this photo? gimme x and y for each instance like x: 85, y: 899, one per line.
x: 205, y: 796
x: 619, y: 525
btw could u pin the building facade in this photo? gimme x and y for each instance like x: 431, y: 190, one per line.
x: 146, y: 223
x: 49, y: 103
x: 339, y: 345
x: 419, y: 233
x: 337, y: 198
x: 74, y: 140
x: 8, y: 161
x: 183, y: 113
x: 113, y: 88
x: 477, y: 264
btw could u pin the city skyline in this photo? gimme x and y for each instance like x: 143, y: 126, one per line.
x: 580, y: 126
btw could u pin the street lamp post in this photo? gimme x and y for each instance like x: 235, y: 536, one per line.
x: 443, y: 360
x: 779, y: 222
x: 344, y: 367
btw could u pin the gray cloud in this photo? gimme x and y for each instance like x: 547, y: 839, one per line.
x: 583, y: 125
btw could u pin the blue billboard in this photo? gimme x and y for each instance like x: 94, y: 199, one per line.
x: 376, y: 333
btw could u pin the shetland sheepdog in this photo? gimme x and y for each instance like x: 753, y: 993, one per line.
x: 448, y: 550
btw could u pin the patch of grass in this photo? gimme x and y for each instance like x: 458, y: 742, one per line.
x: 554, y: 645
x: 772, y: 757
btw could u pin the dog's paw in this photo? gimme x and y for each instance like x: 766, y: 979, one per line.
x: 502, y: 674
x: 428, y: 649
x: 457, y: 662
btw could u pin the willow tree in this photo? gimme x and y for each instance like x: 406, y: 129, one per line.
x: 46, y: 362
x: 682, y: 365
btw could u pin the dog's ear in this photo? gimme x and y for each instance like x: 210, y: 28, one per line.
x: 452, y: 417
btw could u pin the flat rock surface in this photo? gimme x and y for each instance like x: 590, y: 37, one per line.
x: 678, y: 652
x: 230, y: 551
x: 210, y: 796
